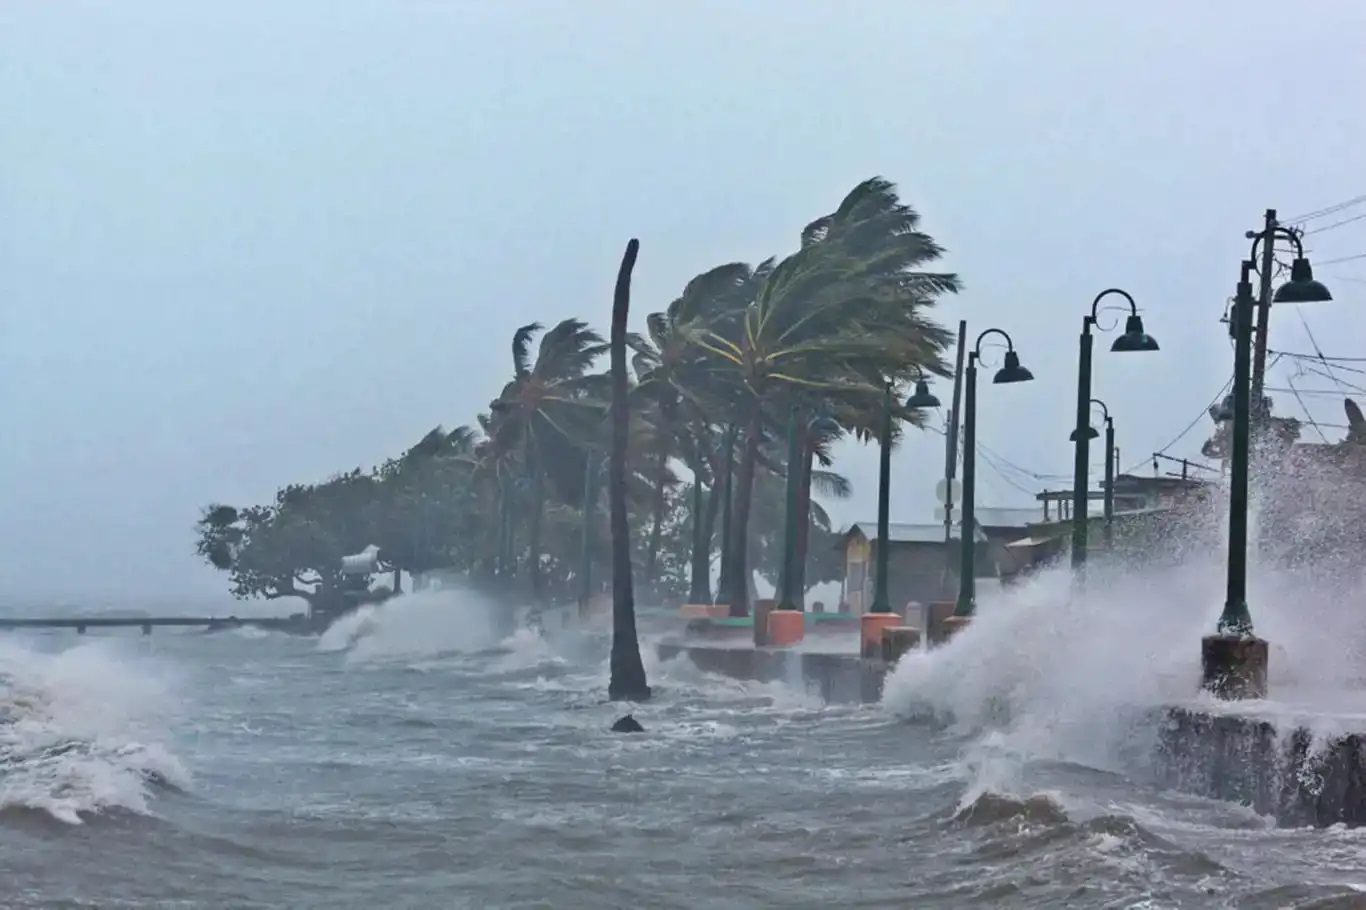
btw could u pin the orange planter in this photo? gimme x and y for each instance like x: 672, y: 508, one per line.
x: 786, y: 627
x: 704, y: 611
x: 870, y: 631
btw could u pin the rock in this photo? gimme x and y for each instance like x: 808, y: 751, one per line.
x: 627, y: 724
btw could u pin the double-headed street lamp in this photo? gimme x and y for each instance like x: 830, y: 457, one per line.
x: 922, y: 397
x: 1133, y: 339
x: 1234, y: 660
x: 1109, y: 467
x: 1010, y: 372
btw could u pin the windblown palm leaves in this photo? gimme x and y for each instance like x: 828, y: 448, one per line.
x: 823, y: 329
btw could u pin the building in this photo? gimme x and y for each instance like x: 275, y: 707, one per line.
x: 920, y: 567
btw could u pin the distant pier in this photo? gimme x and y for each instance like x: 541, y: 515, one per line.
x: 298, y: 624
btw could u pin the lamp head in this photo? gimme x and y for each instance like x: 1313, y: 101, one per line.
x: 1134, y: 338
x: 1091, y: 433
x: 1012, y: 371
x: 922, y: 397
x: 824, y: 426
x: 1302, y: 288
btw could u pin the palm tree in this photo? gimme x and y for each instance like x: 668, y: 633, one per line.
x: 543, y: 414
x: 832, y: 323
x: 670, y: 371
x: 628, y: 672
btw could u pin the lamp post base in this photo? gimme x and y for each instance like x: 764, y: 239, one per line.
x: 1233, y: 666
x: 950, y: 627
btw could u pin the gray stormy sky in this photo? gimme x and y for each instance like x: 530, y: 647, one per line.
x: 250, y: 243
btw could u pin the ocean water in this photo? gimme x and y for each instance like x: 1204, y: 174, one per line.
x: 413, y: 757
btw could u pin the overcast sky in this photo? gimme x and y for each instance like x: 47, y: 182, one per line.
x: 249, y: 243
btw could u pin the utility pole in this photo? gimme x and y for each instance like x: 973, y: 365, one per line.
x: 1263, y: 315
x: 951, y: 448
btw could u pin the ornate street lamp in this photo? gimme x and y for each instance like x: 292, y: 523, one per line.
x: 1234, y: 660
x: 1134, y: 339
x: 1010, y: 372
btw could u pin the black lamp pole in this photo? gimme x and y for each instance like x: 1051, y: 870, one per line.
x: 787, y: 599
x: 1234, y: 660
x: 1133, y: 339
x: 967, y: 530
x: 881, y: 602
x: 1110, y: 457
x: 1235, y: 618
x: 920, y: 398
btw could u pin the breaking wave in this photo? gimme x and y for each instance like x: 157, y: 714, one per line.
x: 83, y: 731
x: 420, y: 625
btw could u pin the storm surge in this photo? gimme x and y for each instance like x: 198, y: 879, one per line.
x: 83, y: 731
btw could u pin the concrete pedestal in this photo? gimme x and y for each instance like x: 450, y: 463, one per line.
x: 870, y: 631
x: 1234, y: 667
x: 762, y: 608
x: 786, y: 628
x: 948, y: 627
x: 897, y: 640
x: 935, y: 614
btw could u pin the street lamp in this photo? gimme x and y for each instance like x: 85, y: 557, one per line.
x: 1134, y: 339
x: 920, y: 398
x: 1234, y: 660
x: 967, y: 530
x: 1109, y: 467
x: 788, y: 582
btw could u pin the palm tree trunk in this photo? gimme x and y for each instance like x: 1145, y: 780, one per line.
x: 627, y: 671
x: 699, y: 591
x: 656, y: 515
x: 533, y: 558
x: 740, y: 576
x: 803, y: 524
x: 726, y: 507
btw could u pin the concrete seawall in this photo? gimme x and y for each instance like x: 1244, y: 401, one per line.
x: 1281, y: 772
x: 1278, y: 769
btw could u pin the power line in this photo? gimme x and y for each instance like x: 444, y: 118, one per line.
x: 1328, y: 210
x: 1318, y: 356
x: 1335, y: 224
x: 1304, y: 407
x: 1342, y: 259
x: 1204, y: 412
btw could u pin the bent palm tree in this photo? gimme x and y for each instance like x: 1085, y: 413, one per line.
x: 831, y: 324
x: 628, y: 672
x: 545, y: 412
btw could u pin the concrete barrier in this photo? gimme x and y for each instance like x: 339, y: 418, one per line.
x: 836, y: 678
x: 1281, y: 773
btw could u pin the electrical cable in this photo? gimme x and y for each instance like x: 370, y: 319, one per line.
x: 1327, y: 210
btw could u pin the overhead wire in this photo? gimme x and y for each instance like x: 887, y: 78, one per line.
x: 1336, y: 224
x: 1327, y: 210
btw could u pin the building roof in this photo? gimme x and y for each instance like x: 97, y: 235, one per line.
x: 903, y: 532
x: 992, y: 517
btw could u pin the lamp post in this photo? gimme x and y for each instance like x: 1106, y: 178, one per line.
x: 1110, y: 457
x: 920, y: 398
x: 1134, y: 339
x: 1233, y: 660
x: 788, y: 578
x: 967, y: 529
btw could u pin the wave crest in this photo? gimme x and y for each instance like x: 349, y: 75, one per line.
x: 82, y: 731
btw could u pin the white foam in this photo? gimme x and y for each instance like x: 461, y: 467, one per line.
x: 1054, y: 671
x: 423, y: 624
x: 82, y: 730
